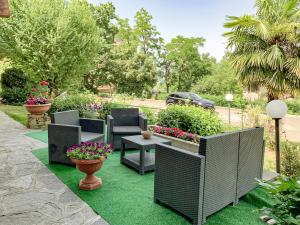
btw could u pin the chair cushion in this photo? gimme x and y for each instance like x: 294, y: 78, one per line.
x: 89, y: 136
x: 127, y: 130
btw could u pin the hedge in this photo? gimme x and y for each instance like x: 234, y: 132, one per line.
x: 190, y: 119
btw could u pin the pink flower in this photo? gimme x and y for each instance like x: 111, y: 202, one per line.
x: 44, y: 83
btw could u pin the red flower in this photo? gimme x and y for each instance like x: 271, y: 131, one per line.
x: 44, y: 83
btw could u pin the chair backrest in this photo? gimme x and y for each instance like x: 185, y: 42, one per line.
x: 251, y: 159
x: 125, y: 116
x: 66, y: 117
x: 221, y: 162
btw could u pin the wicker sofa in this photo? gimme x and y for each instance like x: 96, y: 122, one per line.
x: 67, y: 129
x: 124, y: 122
x: 198, y: 185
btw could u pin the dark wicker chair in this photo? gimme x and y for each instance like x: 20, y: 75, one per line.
x: 198, y: 185
x: 67, y: 129
x: 124, y: 122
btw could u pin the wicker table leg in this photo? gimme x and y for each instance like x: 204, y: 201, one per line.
x: 122, y: 151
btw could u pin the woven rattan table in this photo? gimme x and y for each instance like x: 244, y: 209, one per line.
x: 144, y: 160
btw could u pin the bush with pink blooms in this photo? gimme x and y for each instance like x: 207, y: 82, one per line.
x: 176, y: 132
x: 89, y: 150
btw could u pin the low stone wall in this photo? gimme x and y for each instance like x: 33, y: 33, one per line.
x: 38, y: 121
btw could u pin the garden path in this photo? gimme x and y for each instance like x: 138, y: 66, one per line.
x: 29, y: 192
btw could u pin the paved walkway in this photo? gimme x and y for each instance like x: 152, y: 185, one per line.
x: 29, y: 193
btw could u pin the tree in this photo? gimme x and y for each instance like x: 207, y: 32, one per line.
x: 221, y: 81
x: 146, y: 34
x: 53, y: 40
x: 187, y: 65
x: 106, y: 67
x: 139, y: 76
x: 129, y: 56
x: 265, y: 46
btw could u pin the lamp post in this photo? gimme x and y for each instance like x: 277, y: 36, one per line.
x: 277, y: 109
x: 229, y: 99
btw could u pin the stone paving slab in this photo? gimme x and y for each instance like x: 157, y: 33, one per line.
x: 29, y: 193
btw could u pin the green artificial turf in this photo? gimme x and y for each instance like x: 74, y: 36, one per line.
x: 126, y: 198
x: 39, y: 135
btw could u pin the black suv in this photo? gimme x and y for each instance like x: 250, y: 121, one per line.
x: 183, y: 98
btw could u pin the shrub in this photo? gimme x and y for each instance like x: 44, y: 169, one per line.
x: 78, y: 102
x: 190, y: 119
x: 84, y: 103
x: 238, y: 100
x: 293, y: 106
x: 290, y: 163
x: 285, y: 191
x: 106, y: 109
x: 15, y: 86
x: 151, y: 115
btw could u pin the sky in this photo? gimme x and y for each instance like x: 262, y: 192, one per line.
x: 189, y: 18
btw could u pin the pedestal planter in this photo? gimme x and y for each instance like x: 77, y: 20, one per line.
x: 38, y: 121
x: 38, y: 109
x: 90, y: 182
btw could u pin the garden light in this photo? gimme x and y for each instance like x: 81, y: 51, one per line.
x: 277, y: 109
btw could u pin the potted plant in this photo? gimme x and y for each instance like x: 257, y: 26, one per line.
x: 37, y: 102
x: 89, y: 157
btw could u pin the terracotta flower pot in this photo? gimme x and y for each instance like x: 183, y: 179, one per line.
x: 4, y: 10
x: 146, y: 134
x: 38, y: 109
x: 90, y: 182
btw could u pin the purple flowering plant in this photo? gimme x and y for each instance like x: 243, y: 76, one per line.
x: 89, y: 150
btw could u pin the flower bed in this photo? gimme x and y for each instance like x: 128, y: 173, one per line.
x: 176, y: 132
x: 178, y: 138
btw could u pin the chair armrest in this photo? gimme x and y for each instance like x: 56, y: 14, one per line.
x: 62, y: 132
x: 179, y: 180
x: 110, y: 123
x: 143, y: 121
x: 60, y: 138
x: 92, y: 125
x: 110, y: 127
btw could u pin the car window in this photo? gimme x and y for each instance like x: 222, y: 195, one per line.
x: 194, y: 96
x: 183, y: 95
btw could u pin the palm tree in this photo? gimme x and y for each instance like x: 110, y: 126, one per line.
x: 266, y: 46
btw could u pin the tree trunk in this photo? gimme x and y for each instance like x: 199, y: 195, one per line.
x: 168, y: 88
x: 4, y: 9
x: 272, y: 96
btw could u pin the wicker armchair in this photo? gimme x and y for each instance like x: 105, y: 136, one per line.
x: 67, y: 129
x: 124, y: 122
x: 198, y: 185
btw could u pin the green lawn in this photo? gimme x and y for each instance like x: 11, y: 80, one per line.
x: 18, y: 113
